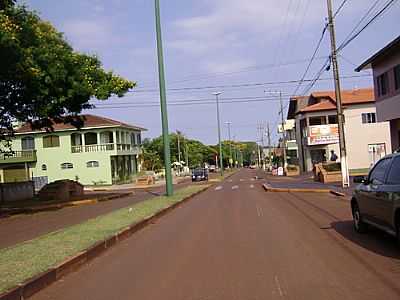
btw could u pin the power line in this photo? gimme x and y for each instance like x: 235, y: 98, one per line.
x: 339, y: 8
x: 311, y: 60
x: 238, y: 85
x: 347, y: 41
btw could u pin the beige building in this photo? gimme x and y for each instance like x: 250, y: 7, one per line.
x: 386, y: 70
x: 317, y: 130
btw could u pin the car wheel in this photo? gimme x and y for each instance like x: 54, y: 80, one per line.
x: 358, y: 222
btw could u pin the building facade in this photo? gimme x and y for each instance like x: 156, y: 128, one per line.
x: 101, y: 152
x: 317, y: 132
x: 385, y: 65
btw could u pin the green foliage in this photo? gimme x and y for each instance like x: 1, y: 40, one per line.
x: 197, y: 152
x: 41, y: 76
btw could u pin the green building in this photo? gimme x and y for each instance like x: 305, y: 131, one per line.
x: 101, y: 152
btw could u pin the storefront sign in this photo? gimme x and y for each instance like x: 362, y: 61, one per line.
x: 323, y: 135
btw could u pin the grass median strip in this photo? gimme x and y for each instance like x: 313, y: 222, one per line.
x: 23, y: 261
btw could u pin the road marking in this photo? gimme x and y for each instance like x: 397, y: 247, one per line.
x: 230, y: 180
x: 218, y: 188
x: 241, y: 180
x: 235, y: 187
x: 259, y: 211
x: 252, y: 179
x: 252, y: 186
x: 278, y: 285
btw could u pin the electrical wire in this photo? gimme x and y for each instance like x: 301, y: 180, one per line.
x: 350, y: 37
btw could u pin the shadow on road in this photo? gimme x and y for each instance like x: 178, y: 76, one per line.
x: 376, y: 241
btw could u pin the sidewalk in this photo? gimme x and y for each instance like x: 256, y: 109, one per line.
x: 305, y: 181
x: 134, y: 186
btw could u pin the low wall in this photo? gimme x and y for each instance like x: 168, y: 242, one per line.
x: 17, y: 191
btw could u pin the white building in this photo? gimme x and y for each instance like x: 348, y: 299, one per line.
x: 317, y: 130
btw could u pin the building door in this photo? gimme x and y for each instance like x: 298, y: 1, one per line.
x: 318, y: 156
x: 15, y: 174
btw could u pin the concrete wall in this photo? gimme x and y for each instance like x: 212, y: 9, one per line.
x: 18, y: 191
x: 359, y: 136
x: 388, y: 107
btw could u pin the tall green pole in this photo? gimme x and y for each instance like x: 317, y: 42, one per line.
x: 163, y: 102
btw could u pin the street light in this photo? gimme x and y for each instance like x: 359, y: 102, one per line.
x: 163, y: 104
x: 230, y: 143
x: 216, y: 94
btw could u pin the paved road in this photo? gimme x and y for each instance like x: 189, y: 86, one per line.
x: 237, y: 242
x: 21, y: 228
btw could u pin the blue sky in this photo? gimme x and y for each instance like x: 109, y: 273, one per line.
x: 215, y: 43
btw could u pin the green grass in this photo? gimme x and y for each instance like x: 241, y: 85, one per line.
x: 23, y: 261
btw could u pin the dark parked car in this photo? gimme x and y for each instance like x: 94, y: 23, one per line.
x: 376, y: 201
x: 199, y: 175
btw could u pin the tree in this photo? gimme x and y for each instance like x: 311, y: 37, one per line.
x: 197, y: 152
x: 41, y: 77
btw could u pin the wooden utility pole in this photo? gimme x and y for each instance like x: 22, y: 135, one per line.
x: 340, y: 116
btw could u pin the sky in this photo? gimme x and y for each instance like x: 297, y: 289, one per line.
x: 248, y: 50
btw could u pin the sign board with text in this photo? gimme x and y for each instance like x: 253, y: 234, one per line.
x: 323, y: 135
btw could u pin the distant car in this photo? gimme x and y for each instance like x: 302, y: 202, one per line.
x: 212, y: 168
x: 200, y: 175
x: 253, y: 167
x: 376, y: 201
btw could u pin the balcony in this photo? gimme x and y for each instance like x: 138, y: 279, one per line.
x: 128, y: 149
x: 16, y: 157
x: 121, y: 148
x: 93, y: 148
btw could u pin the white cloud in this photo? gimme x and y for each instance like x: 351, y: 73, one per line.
x: 89, y: 33
x: 232, y: 27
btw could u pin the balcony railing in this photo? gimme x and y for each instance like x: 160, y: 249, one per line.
x: 24, y: 156
x: 93, y: 148
x: 105, y: 148
x: 128, y: 148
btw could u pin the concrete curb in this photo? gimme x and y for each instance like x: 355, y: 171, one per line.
x: 269, y: 188
x: 41, y: 281
x: 4, y: 212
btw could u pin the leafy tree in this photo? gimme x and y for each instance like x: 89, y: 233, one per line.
x: 42, y: 77
x: 197, y: 152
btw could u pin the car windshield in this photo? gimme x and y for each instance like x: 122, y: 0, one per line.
x: 198, y: 172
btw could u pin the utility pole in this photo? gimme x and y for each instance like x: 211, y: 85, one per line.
x: 340, y: 116
x: 163, y: 104
x: 221, y: 163
x: 230, y: 144
x: 258, y: 146
x: 283, y: 133
x: 269, y: 144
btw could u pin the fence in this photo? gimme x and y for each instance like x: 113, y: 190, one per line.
x: 17, y: 191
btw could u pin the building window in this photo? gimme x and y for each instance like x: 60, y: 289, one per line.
x: 382, y: 82
x: 91, y: 138
x: 51, y: 141
x: 139, y: 139
x: 332, y: 119
x: 368, y: 118
x: 92, y: 164
x: 397, y: 77
x: 28, y: 143
x: 66, y: 166
x: 44, y: 167
x: 133, y: 139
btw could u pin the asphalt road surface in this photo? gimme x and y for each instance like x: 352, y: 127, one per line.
x: 237, y: 242
x: 20, y: 228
